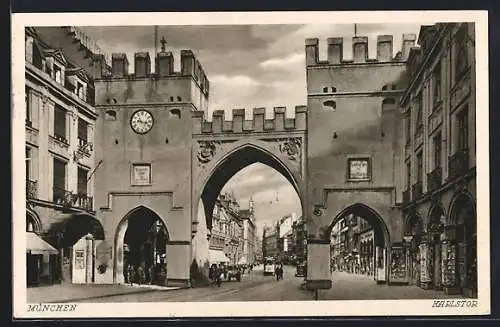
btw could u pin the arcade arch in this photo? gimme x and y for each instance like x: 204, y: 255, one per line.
x: 413, y: 233
x: 141, y: 244
x: 359, y: 241
x: 463, y: 218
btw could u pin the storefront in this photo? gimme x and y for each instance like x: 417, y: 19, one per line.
x: 40, y: 261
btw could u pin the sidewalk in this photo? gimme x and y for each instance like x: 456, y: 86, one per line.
x: 75, y: 292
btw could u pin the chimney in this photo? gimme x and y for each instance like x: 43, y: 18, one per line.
x: 165, y: 63
x: 335, y: 50
x: 119, y: 64
x: 408, y: 43
x: 187, y: 62
x: 142, y: 64
x: 384, y: 47
x: 312, y: 51
x: 360, y: 48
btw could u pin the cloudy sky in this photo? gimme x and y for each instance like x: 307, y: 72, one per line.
x: 249, y: 66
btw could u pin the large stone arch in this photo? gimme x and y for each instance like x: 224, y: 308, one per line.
x: 371, y: 216
x: 232, y: 156
x: 381, y: 236
x: 120, y: 234
x: 456, y: 201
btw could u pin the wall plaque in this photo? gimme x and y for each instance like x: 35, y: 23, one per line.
x: 141, y: 174
x: 358, y: 169
x: 79, y: 259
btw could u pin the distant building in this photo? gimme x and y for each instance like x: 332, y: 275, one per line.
x: 248, y: 218
x: 270, y: 242
x: 227, y: 236
x: 299, y: 240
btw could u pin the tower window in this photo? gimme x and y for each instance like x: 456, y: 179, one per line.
x: 175, y: 113
x: 334, y: 89
x: 325, y: 89
x: 330, y: 104
x: 110, y: 115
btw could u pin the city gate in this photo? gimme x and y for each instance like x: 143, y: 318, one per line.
x: 158, y: 152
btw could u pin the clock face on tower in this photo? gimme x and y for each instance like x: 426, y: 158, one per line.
x: 141, y: 121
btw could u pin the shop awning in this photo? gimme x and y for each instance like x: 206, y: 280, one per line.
x: 217, y: 256
x: 73, y: 226
x: 36, y: 245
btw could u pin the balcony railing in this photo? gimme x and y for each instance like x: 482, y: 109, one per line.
x: 84, y: 201
x: 61, y: 138
x: 406, y: 195
x: 416, y: 190
x: 434, y: 179
x: 31, y: 189
x: 458, y: 164
x: 69, y: 199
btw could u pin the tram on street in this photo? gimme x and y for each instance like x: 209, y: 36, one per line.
x: 268, y: 266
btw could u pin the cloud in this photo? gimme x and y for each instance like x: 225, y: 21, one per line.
x: 293, y: 59
x: 235, y: 81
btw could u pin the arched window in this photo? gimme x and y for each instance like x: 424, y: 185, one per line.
x: 110, y: 115
x: 384, y: 88
x: 388, y: 101
x: 334, y: 89
x: 330, y: 105
x: 175, y: 113
x: 325, y: 89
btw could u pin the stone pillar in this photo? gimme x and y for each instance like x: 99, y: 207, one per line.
x: 72, y: 135
x: 89, y: 240
x: 119, y: 278
x: 44, y: 180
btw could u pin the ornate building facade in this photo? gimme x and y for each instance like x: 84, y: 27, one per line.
x: 440, y: 160
x: 60, y: 125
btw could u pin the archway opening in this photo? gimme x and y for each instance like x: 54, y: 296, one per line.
x: 359, y: 241
x: 144, y: 245
x: 250, y: 196
x: 463, y: 217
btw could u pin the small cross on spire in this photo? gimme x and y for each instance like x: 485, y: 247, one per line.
x: 163, y: 42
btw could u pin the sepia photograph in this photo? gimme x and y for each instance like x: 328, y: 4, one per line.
x: 252, y: 167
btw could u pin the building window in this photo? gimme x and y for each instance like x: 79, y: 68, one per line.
x: 436, y: 80
x: 27, y: 103
x: 330, y: 105
x: 82, y: 181
x: 463, y: 129
x: 57, y: 74
x: 82, y: 132
x: 80, y: 91
x: 437, y: 150
x: 28, y: 162
x: 325, y: 89
x: 37, y: 56
x: 60, y: 123
x: 408, y: 127
x: 461, y: 60
x: 420, y: 120
x: 59, y: 180
x: 419, y: 167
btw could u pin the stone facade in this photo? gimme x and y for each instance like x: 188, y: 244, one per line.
x: 440, y: 160
x: 60, y: 127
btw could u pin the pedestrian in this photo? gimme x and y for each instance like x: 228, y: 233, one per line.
x: 218, y: 276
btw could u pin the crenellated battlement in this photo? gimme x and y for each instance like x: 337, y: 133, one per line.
x: 164, y: 64
x: 258, y: 123
x: 335, y: 49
